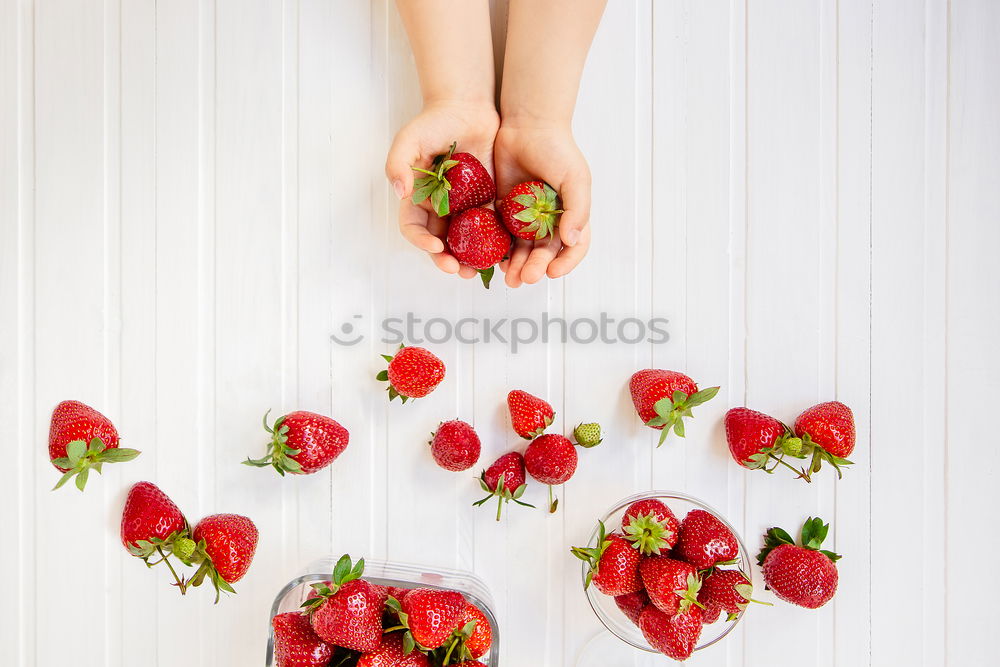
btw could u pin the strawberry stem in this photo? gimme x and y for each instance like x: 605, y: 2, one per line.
x: 180, y: 582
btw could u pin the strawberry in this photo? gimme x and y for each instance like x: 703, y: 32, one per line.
x: 302, y: 443
x: 471, y: 663
x: 551, y: 459
x: 153, y: 524
x: 505, y: 481
x: 673, y: 635
x: 614, y: 564
x: 802, y: 575
x: 81, y: 438
x: 529, y: 415
x: 664, y: 398
x: 391, y: 653
x: 705, y: 541
x: 455, y: 182
x: 588, y: 435
x: 226, y: 546
x: 472, y: 638
x: 756, y: 439
x: 413, y: 373
x: 827, y: 432
x: 632, y: 604
x: 347, y: 610
x: 477, y: 239
x: 530, y: 210
x: 672, y: 585
x: 726, y: 591
x: 430, y: 616
x: 650, y: 526
x: 295, y: 643
x: 455, y: 446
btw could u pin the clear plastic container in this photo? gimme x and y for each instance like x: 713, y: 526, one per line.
x: 295, y: 592
x: 604, y: 605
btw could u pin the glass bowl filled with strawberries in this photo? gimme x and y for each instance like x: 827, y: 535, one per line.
x: 666, y: 573
x: 370, y: 613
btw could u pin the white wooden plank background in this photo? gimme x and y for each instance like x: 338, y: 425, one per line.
x: 191, y: 202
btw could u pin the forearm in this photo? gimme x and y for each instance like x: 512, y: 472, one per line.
x: 547, y: 44
x: 453, y: 46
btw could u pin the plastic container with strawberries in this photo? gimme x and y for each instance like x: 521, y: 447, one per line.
x: 648, y: 577
x: 439, y: 586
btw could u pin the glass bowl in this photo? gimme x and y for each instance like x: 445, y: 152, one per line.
x: 401, y: 575
x: 604, y: 605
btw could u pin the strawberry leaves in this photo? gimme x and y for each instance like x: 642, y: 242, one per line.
x: 814, y: 531
x: 279, y: 454
x: 592, y: 555
x: 82, y: 457
x: 343, y: 572
x: 671, y: 410
x: 541, y: 210
x: 502, y: 494
x: 433, y: 185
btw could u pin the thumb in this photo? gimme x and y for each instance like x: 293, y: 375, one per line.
x: 402, y: 154
x: 575, y: 194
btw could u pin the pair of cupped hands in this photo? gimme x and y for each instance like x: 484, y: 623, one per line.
x: 514, y: 150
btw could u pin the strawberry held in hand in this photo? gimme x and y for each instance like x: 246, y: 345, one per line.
x: 530, y: 210
x: 529, y: 415
x: 802, y: 575
x: 664, y: 398
x: 302, y: 443
x: 81, y: 439
x: 413, y: 373
x: 827, y: 432
x: 650, y: 526
x: 455, y: 445
x: 614, y: 563
x: 295, y: 643
x: 551, y: 459
x: 347, y: 610
x: 226, y: 544
x: 477, y: 239
x: 673, y: 635
x: 455, y: 182
x: 705, y: 541
x: 504, y: 480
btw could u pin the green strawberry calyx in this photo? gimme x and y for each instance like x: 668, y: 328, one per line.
x: 689, y: 595
x: 383, y: 376
x: 456, y: 650
x: 671, y: 410
x: 501, y: 493
x: 486, y: 275
x: 588, y: 435
x: 409, y: 643
x: 541, y: 210
x: 814, y: 531
x: 206, y: 570
x: 178, y: 544
x: 82, y: 457
x: 789, y: 445
x: 433, y: 184
x: 648, y: 534
x: 592, y: 555
x: 279, y: 454
x: 343, y: 572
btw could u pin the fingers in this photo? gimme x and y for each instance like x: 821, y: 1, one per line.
x: 418, y: 226
x: 575, y: 193
x: 518, y: 256
x: 541, y: 255
x: 403, y: 153
x: 569, y: 258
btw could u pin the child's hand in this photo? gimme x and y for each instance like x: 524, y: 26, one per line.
x: 474, y: 128
x: 548, y: 153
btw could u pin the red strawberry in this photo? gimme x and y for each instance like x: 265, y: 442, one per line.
x: 664, y: 398
x: 347, y: 610
x: 551, y: 459
x: 302, y: 443
x: 705, y: 541
x: 505, y: 481
x: 455, y: 182
x: 673, y: 635
x: 413, y: 373
x: 726, y: 591
x: 632, y: 604
x: 477, y: 239
x: 295, y: 643
x: 827, y: 432
x: 392, y: 653
x: 473, y: 637
x: 614, y: 564
x: 651, y: 526
x: 802, y: 575
x: 153, y: 525
x: 455, y: 446
x: 530, y: 210
x: 471, y: 663
x: 529, y: 415
x: 81, y: 438
x: 226, y: 546
x: 672, y: 585
x: 430, y: 616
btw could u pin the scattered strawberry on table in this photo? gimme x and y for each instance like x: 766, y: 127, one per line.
x: 349, y: 621
x: 455, y: 445
x: 302, y: 443
x: 823, y: 433
x: 802, y: 574
x: 454, y: 183
x: 505, y: 481
x: 529, y: 415
x: 226, y: 544
x: 664, y: 398
x: 413, y: 372
x: 81, y: 439
x: 530, y: 210
x: 478, y: 240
